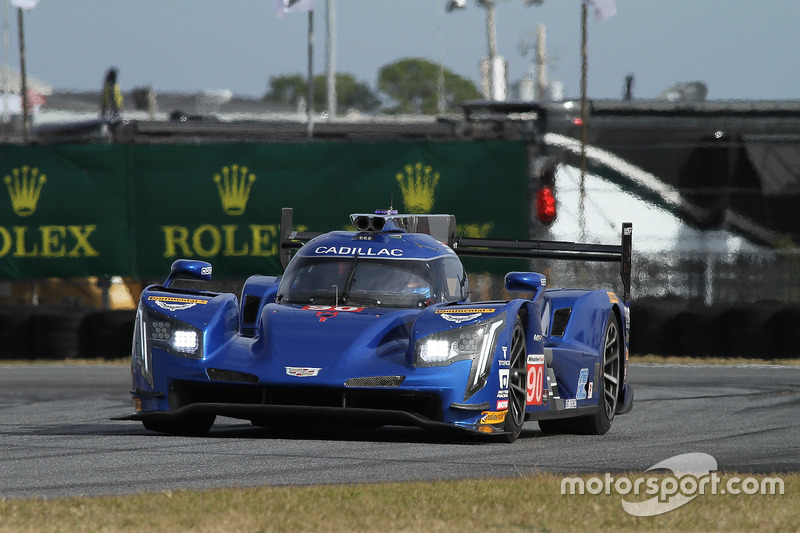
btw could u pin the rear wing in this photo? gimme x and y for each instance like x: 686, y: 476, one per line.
x: 521, y: 249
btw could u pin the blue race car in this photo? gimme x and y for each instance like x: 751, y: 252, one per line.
x: 375, y: 327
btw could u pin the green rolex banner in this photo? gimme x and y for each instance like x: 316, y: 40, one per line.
x: 132, y: 210
x: 222, y: 203
x: 64, y: 212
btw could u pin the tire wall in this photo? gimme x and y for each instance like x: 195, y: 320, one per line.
x: 673, y: 326
x: 61, y: 333
x: 660, y: 326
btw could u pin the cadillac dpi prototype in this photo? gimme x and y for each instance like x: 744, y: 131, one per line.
x: 376, y: 327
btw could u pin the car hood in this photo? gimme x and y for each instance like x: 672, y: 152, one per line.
x: 327, y: 336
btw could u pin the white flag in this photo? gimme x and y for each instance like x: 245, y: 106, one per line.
x: 27, y: 5
x: 282, y: 7
x: 603, y: 9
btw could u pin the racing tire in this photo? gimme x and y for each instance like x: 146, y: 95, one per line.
x: 610, y: 379
x: 16, y: 333
x: 515, y: 417
x: 194, y: 426
x: 56, y: 333
x: 107, y: 334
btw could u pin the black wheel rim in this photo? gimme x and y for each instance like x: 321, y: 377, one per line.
x: 611, y: 361
x: 516, y: 386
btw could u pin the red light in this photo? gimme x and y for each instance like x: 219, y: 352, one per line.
x: 546, y: 205
x: 578, y: 121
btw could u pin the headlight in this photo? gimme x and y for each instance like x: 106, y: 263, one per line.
x: 475, y: 342
x: 173, y: 336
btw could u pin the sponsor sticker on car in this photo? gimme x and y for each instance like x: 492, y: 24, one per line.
x: 493, y: 417
x: 335, y: 308
x: 465, y: 310
x: 302, y: 372
x: 462, y: 315
x: 175, y: 303
x: 504, y: 362
x: 583, y: 379
x: 535, y: 380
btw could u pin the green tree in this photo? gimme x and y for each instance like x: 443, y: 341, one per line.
x: 350, y: 93
x: 287, y: 89
x: 413, y: 86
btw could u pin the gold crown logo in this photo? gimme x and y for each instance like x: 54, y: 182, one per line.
x: 24, y: 187
x: 234, y: 186
x: 417, y: 185
x: 475, y: 231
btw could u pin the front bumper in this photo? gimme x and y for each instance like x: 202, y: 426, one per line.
x: 292, y: 415
x: 244, y: 396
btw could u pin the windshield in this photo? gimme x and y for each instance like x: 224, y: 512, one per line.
x: 372, y: 282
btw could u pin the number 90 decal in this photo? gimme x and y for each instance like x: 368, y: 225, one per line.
x: 535, y: 381
x: 335, y: 308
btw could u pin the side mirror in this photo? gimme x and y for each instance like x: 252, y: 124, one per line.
x: 526, y: 282
x: 189, y: 269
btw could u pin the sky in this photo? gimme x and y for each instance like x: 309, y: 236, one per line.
x: 741, y: 49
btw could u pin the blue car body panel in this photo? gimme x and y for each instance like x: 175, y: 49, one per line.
x: 436, y: 360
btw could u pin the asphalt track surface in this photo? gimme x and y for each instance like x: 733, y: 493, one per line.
x: 58, y: 439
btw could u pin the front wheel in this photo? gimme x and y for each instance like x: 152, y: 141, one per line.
x: 515, y: 417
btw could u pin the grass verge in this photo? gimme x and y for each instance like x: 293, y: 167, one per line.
x: 528, y: 503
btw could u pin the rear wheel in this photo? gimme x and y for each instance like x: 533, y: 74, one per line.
x: 609, y: 382
x: 515, y: 417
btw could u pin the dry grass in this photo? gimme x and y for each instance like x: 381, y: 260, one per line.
x: 529, y: 503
